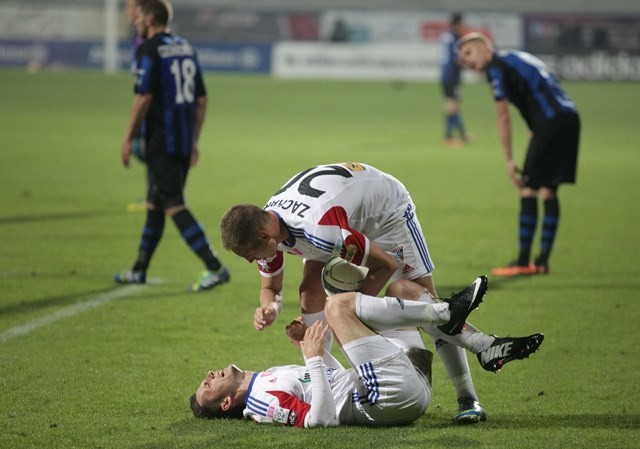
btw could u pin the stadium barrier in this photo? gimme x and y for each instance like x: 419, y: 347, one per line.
x: 235, y: 58
x: 373, y: 45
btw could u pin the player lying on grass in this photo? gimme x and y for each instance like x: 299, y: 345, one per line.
x: 385, y: 386
x: 356, y: 212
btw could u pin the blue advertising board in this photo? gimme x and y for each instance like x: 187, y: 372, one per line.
x: 230, y: 58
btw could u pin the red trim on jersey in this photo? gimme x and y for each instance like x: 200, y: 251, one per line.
x: 270, y: 266
x: 297, y: 409
x: 355, y: 243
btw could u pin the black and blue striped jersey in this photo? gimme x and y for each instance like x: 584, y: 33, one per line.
x: 450, y: 70
x: 529, y: 85
x: 167, y: 67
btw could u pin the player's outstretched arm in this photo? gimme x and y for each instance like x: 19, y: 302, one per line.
x: 323, y: 407
x: 270, y: 302
x: 503, y: 119
x: 201, y: 110
x: 139, y: 110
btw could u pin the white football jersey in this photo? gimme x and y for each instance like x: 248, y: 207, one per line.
x: 283, y: 395
x: 336, y: 210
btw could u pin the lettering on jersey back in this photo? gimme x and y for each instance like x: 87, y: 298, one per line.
x: 297, y: 207
x: 305, y: 187
x: 175, y: 50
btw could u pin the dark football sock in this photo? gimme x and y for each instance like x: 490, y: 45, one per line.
x: 527, y: 227
x: 151, y: 235
x: 549, y: 229
x: 194, y: 235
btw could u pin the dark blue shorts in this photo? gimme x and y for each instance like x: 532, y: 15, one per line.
x: 451, y: 90
x: 552, y: 156
x: 167, y: 178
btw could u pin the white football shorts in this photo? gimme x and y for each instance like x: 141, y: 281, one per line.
x: 391, y: 390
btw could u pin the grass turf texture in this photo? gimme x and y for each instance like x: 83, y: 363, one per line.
x: 119, y: 374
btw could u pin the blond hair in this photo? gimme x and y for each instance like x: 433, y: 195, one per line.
x: 474, y: 37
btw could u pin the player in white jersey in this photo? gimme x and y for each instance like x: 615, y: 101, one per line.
x: 385, y: 386
x: 361, y: 214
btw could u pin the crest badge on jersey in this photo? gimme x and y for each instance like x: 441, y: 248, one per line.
x: 354, y: 166
x: 264, y: 265
x: 278, y: 414
x: 399, y: 252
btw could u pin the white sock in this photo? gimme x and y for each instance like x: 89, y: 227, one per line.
x: 455, y: 362
x: 470, y: 338
x: 473, y: 340
x: 404, y: 338
x: 393, y: 313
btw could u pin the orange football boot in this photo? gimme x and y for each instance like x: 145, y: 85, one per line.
x: 513, y: 269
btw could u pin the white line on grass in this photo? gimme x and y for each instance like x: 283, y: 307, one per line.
x: 67, y: 312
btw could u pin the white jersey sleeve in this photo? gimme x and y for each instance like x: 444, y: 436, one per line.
x: 278, y: 396
x: 285, y: 395
x: 322, y: 412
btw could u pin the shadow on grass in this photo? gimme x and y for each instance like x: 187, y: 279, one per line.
x: 50, y: 217
x: 565, y: 421
x: 43, y: 303
x: 495, y: 283
x: 63, y: 300
x: 244, y: 433
x: 559, y: 283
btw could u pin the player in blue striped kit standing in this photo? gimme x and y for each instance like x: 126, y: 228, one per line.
x: 551, y: 159
x: 450, y: 73
x: 169, y: 108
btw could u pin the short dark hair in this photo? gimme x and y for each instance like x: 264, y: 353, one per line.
x: 456, y: 18
x: 161, y: 10
x: 199, y: 411
x: 240, y: 225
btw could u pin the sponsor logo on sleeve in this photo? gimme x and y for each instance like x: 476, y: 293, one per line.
x: 351, y: 251
x: 279, y: 414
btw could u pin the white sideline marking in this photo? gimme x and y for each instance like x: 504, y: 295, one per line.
x: 67, y: 312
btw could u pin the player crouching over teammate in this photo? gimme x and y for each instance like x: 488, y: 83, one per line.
x: 385, y: 385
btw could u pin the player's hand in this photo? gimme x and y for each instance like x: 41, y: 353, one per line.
x: 515, y: 174
x: 195, y: 156
x: 295, y: 330
x: 313, y: 343
x: 125, y: 153
x: 264, y: 317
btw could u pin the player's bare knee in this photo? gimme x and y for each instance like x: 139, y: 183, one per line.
x: 404, y: 289
x: 340, y: 304
x: 548, y: 193
x: 398, y: 288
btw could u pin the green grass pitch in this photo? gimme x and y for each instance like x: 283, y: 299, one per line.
x: 87, y: 364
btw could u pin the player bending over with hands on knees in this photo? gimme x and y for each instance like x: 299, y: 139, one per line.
x: 523, y: 80
x: 385, y: 386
